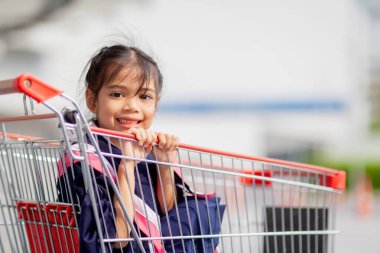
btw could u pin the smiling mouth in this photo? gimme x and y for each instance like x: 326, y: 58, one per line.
x: 129, y: 122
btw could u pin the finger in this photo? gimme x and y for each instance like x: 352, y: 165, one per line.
x: 148, y: 149
x: 143, y: 136
x: 149, y: 138
x: 175, y: 142
x: 155, y: 139
x: 135, y: 132
x: 168, y: 143
x: 161, y: 140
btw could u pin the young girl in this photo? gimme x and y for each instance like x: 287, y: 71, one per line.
x: 123, y: 86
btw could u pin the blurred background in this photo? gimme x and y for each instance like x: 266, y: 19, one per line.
x: 296, y: 80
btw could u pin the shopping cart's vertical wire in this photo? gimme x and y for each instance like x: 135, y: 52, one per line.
x: 65, y: 176
x: 333, y: 219
x: 196, y: 202
x: 282, y: 210
x: 151, y: 185
x: 236, y: 201
x: 1, y: 246
x: 39, y: 162
x: 37, y: 224
x: 300, y: 210
x: 324, y: 218
x: 197, y: 206
x: 16, y: 170
x: 90, y: 187
x: 54, y: 153
x: 105, y: 183
x: 255, y: 206
x: 227, y: 206
x: 308, y: 208
x: 69, y: 230
x: 104, y: 177
x: 176, y: 203
x: 96, y: 137
x: 69, y: 227
x: 28, y: 222
x: 44, y: 174
x: 291, y: 208
x: 63, y: 155
x: 7, y: 204
x: 2, y: 216
x: 274, y: 210
x: 229, y: 212
x: 206, y: 199
x: 131, y: 191
x: 22, y: 161
x: 185, y: 196
x: 18, y: 165
x: 137, y: 169
x: 152, y: 192
x: 18, y: 178
x: 47, y: 234
x: 217, y: 203
x: 12, y: 191
x: 316, y: 215
x: 31, y: 192
x: 172, y: 182
x: 26, y: 171
x: 41, y: 212
x: 38, y: 175
x: 67, y: 181
x: 316, y: 212
x: 96, y: 192
x: 65, y: 228
x: 49, y: 152
x: 60, y: 243
x: 245, y: 204
x: 48, y: 240
x: 329, y: 217
x: 266, y: 209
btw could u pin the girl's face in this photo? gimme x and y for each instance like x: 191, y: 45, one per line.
x: 120, y: 105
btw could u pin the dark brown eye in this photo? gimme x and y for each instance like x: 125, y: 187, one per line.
x: 116, y: 94
x: 146, y: 96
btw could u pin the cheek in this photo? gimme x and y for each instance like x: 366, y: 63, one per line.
x: 149, y: 115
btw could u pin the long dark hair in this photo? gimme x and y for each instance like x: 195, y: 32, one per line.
x: 109, y: 61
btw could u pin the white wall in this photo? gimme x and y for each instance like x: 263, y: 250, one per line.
x: 219, y: 50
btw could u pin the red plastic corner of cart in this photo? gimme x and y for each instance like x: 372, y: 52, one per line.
x: 338, y: 181
x: 250, y: 181
x: 61, y: 214
x: 20, y: 206
x: 35, y: 88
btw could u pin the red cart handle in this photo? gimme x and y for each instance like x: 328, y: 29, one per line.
x: 29, y: 85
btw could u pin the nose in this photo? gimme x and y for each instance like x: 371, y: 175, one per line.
x: 131, y: 104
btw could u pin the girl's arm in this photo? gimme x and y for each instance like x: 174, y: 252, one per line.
x: 165, y: 184
x: 126, y: 179
x: 166, y: 151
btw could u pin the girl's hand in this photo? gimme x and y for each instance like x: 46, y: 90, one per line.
x: 166, y: 150
x: 145, y: 139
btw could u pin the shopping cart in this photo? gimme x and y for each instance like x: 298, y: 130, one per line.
x: 263, y: 205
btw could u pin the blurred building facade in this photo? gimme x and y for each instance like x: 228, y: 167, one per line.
x: 267, y: 78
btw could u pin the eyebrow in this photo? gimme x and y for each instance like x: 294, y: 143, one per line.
x: 127, y: 89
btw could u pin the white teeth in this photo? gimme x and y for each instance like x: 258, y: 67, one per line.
x: 123, y: 121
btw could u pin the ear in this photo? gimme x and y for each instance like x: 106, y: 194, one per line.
x: 90, y: 100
